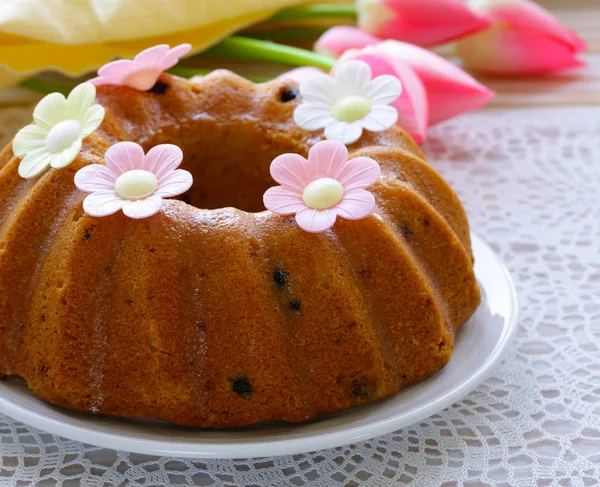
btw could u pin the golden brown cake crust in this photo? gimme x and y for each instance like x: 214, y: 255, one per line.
x: 228, y: 315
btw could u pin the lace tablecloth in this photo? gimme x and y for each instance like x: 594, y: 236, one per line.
x: 531, y: 182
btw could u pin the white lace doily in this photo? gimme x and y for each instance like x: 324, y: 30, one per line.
x: 531, y: 182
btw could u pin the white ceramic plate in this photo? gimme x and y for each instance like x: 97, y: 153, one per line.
x: 480, y: 344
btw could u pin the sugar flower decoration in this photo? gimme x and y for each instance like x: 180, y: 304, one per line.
x: 347, y: 102
x: 60, y: 126
x: 325, y: 186
x: 142, y: 73
x: 131, y: 181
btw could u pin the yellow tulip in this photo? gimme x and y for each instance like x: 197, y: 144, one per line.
x: 77, y: 36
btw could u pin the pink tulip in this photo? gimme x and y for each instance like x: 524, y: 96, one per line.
x: 422, y: 22
x: 339, y: 39
x: 434, y: 89
x: 524, y: 39
x: 450, y: 91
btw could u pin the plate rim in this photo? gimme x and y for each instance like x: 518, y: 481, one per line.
x: 281, y: 447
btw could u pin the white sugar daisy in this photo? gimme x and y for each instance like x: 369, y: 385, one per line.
x: 60, y: 126
x: 347, y: 102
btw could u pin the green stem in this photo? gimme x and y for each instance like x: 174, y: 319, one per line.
x: 307, y: 33
x: 256, y: 50
x: 45, y: 86
x: 319, y: 11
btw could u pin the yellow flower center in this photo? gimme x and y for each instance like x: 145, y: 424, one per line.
x: 136, y: 184
x: 62, y: 136
x: 323, y: 193
x: 351, y: 108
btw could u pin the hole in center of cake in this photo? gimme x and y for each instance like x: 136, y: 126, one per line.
x: 230, y: 165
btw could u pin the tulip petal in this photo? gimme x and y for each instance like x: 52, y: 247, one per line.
x: 448, y: 99
x: 339, y: 39
x: 577, y: 43
x: 529, y: 16
x: 450, y: 91
x: 424, y: 23
x: 516, y: 52
x: 412, y: 105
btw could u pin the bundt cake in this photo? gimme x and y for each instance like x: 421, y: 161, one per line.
x: 214, y: 312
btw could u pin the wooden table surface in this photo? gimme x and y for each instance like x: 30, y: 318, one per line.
x: 575, y: 87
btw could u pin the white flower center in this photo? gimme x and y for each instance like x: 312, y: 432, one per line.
x: 351, y: 108
x: 136, y: 184
x: 323, y: 193
x: 62, y: 136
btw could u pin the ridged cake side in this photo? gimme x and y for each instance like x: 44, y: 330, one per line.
x: 221, y: 317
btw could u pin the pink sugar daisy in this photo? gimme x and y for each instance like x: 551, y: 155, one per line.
x: 132, y: 181
x: 325, y: 186
x: 142, y: 73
